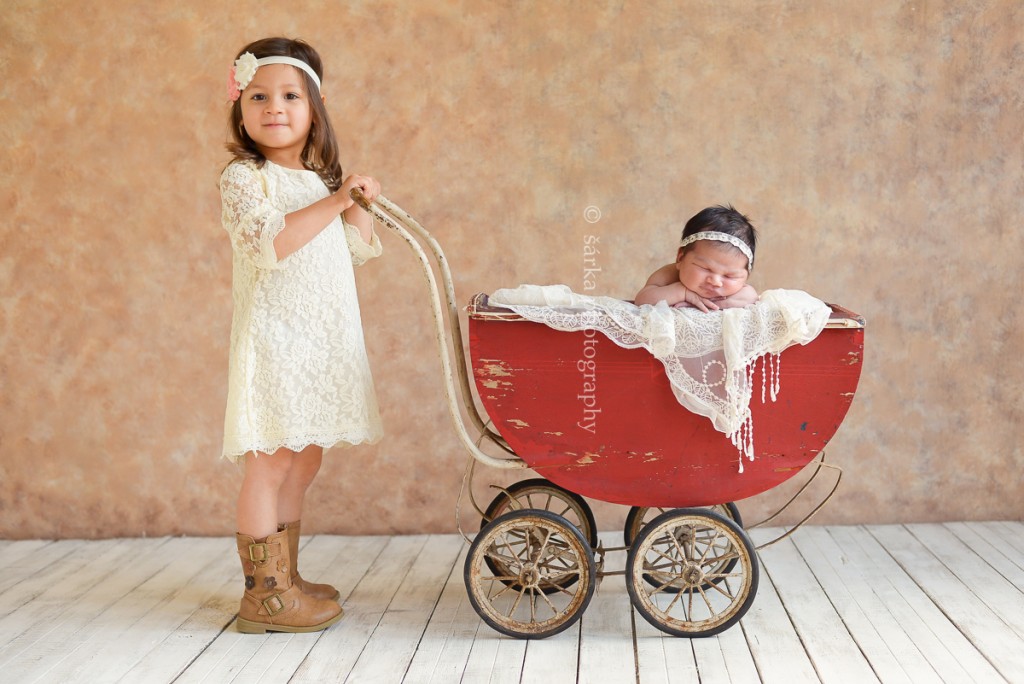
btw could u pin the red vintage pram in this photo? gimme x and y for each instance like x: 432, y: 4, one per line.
x: 618, y: 435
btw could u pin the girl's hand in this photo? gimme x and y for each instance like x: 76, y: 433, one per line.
x: 367, y: 185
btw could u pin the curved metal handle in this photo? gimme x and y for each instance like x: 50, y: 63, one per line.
x: 397, y: 220
x: 359, y: 198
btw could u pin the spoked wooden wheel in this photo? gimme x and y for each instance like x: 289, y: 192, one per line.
x: 640, y: 516
x: 530, y: 574
x: 674, y: 572
x: 541, y: 494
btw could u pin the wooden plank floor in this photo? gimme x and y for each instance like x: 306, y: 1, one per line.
x: 899, y: 603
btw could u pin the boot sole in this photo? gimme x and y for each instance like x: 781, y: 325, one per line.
x: 249, y: 627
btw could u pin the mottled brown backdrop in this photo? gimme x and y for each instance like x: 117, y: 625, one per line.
x: 877, y: 145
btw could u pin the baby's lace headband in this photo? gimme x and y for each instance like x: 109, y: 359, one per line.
x: 245, y: 69
x: 722, y: 237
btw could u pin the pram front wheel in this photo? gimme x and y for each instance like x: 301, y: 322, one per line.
x: 677, y: 574
x: 540, y: 494
x: 530, y: 574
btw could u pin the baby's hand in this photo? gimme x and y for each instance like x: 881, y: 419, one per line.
x: 695, y: 301
x: 745, y: 297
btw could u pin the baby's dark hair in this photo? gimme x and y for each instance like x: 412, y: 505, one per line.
x: 321, y: 151
x: 722, y: 219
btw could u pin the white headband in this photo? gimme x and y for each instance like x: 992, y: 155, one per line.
x: 245, y: 69
x: 722, y: 237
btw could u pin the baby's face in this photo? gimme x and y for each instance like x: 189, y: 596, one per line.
x: 712, y: 269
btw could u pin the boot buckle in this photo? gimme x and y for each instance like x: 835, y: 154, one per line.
x: 261, y: 552
x: 273, y: 604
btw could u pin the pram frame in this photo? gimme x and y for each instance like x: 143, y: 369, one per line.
x: 639, y: 569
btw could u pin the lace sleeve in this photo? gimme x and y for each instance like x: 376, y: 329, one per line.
x: 361, y: 250
x: 247, y: 215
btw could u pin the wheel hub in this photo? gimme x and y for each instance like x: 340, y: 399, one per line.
x: 529, y: 575
x: 692, y: 575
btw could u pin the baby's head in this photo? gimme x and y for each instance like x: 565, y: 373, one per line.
x: 717, y: 252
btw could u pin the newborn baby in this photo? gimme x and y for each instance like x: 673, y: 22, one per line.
x: 712, y: 264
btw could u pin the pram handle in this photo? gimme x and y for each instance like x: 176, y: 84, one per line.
x: 359, y: 198
x: 402, y: 224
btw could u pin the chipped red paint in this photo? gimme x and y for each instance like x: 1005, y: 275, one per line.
x: 639, y: 446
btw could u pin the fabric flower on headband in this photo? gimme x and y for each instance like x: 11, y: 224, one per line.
x: 241, y: 75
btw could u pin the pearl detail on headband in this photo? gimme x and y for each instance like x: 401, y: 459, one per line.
x: 722, y: 237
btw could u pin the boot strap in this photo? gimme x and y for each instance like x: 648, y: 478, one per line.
x: 262, y: 552
x: 273, y: 604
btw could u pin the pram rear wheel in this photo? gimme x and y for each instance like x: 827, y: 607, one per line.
x: 541, y: 494
x: 530, y: 574
x: 676, y: 578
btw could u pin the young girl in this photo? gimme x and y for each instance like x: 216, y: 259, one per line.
x: 298, y: 380
x: 712, y: 264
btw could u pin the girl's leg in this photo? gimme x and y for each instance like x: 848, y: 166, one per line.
x: 272, y: 601
x: 265, y: 475
x: 289, y: 510
x: 305, y: 466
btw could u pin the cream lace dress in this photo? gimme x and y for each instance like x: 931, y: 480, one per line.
x: 298, y: 372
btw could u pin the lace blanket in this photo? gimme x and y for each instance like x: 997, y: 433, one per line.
x: 709, y: 357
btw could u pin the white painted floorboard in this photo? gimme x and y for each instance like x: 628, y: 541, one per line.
x: 940, y: 603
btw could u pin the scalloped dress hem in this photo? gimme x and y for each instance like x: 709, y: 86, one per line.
x: 237, y: 455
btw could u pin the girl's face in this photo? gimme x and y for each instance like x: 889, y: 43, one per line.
x: 276, y: 113
x: 712, y: 269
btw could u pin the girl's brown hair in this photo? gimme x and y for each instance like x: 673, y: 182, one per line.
x: 321, y: 151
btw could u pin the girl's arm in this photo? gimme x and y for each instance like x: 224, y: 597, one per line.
x: 247, y: 215
x: 305, y: 224
x: 355, y: 215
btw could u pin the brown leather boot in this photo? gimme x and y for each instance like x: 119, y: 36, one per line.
x: 271, y: 602
x: 320, y: 591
